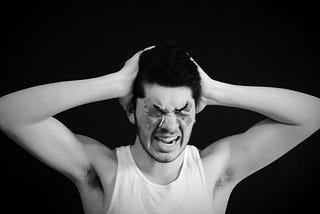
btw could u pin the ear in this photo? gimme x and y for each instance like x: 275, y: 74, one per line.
x: 130, y: 113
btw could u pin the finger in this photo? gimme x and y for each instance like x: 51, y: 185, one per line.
x: 199, y: 108
x: 137, y: 55
x: 201, y: 105
x: 125, y: 102
x: 195, y: 62
x: 148, y: 48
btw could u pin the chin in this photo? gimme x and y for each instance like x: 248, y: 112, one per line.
x: 165, y: 153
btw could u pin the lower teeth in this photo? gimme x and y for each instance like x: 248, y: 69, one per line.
x: 171, y: 142
x: 166, y: 142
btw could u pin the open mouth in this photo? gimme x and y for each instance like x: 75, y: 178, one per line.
x: 167, y: 140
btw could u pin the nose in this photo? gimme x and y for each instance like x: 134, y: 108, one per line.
x: 170, y: 123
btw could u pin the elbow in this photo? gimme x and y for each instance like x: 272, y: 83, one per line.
x: 314, y: 124
x: 4, y: 123
x: 317, y: 125
x: 4, y: 116
x: 313, y: 117
x: 317, y: 116
x: 317, y: 120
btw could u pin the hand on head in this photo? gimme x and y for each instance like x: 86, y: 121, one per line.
x: 128, y: 73
x: 205, y: 81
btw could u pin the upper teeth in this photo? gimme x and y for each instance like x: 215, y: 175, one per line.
x: 167, y: 139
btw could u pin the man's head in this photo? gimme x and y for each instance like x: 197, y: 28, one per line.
x: 167, y: 65
x: 166, y: 91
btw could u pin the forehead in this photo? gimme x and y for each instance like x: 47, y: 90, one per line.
x: 169, y: 97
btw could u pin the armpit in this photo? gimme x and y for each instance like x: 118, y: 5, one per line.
x: 227, y: 177
x: 92, y: 179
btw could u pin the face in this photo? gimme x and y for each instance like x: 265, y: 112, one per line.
x: 164, y: 118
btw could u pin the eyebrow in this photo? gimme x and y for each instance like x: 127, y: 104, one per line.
x: 160, y: 108
x: 184, y: 107
x: 164, y: 110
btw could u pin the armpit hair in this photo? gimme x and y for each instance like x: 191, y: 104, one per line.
x: 92, y: 179
x: 228, y: 176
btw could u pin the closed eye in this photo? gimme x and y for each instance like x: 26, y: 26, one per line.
x: 181, y: 109
x: 159, y: 109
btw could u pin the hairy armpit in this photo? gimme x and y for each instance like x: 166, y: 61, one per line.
x: 92, y: 179
x: 227, y: 177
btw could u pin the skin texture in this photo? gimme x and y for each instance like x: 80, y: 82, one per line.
x: 158, y: 114
x: 161, y: 114
x: 27, y: 117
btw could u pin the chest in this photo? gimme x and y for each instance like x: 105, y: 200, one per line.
x: 141, y: 198
x: 135, y: 193
x: 94, y: 202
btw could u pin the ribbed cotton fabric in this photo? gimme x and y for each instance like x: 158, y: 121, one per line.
x: 134, y: 194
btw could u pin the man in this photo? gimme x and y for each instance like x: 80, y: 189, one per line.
x: 162, y: 89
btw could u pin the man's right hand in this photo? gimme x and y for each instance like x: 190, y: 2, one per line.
x: 27, y: 116
x: 128, y: 74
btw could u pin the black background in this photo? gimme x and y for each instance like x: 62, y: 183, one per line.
x: 267, y: 44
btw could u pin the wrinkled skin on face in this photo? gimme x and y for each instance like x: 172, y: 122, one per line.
x: 165, y: 118
x: 157, y: 114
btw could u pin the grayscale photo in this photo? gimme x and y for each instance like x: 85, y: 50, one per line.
x: 163, y: 109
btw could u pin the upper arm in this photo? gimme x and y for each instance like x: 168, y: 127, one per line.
x: 52, y: 143
x: 262, y: 144
x: 265, y: 142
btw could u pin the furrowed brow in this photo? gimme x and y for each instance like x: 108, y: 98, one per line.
x: 160, y: 109
x: 183, y: 108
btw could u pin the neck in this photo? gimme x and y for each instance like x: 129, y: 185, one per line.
x: 157, y: 172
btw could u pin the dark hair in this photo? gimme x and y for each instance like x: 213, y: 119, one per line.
x: 167, y: 65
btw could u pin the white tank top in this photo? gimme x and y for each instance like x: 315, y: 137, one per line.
x: 134, y: 194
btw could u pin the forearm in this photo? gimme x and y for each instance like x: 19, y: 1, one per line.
x: 283, y: 105
x: 38, y: 103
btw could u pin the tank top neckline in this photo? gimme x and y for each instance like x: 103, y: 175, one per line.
x: 145, y: 179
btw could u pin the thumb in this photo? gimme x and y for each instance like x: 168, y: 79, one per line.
x: 126, y: 103
x: 200, y: 107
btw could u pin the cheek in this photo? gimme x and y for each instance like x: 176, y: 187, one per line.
x: 186, y: 125
x: 151, y: 123
x: 186, y: 120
